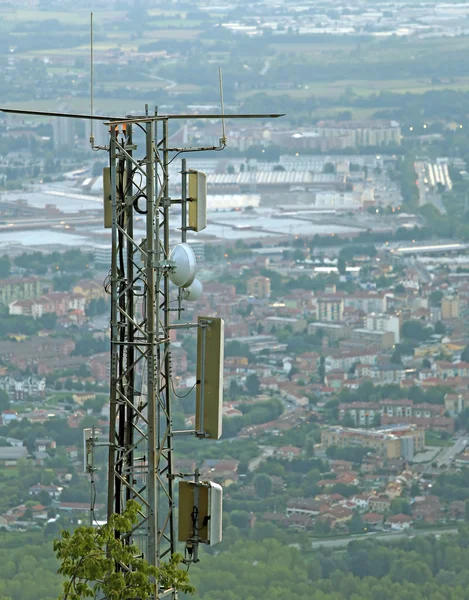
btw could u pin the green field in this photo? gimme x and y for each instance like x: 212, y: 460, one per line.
x: 321, y: 68
x: 76, y: 17
x: 8, y: 473
x: 364, y: 88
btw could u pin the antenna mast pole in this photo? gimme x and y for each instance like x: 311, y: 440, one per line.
x: 140, y: 461
x: 140, y: 456
x: 91, y: 81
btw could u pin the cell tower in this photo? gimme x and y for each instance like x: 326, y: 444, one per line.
x: 142, y: 275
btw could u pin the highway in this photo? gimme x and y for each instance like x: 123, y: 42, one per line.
x: 447, y: 455
x: 381, y: 537
x: 64, y: 222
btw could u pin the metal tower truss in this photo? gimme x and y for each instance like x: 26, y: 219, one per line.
x: 140, y: 463
x: 140, y: 457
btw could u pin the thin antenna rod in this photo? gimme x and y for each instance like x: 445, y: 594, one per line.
x: 223, y: 136
x: 141, y: 119
x: 91, y: 79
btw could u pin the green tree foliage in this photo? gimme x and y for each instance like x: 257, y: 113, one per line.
x: 263, y: 485
x: 96, y: 307
x: 355, y: 454
x: 89, y: 559
x: 71, y: 261
x: 237, y: 349
x: 401, y: 506
x: 4, y: 400
x: 435, y: 298
x: 416, y: 330
x: 253, y: 384
x: 5, y: 266
x: 407, y: 178
x: 88, y: 345
x: 356, y: 524
x: 370, y: 393
x: 452, y: 486
x: 240, y: 519
x: 465, y: 354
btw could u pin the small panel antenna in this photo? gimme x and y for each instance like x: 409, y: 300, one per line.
x: 91, y: 81
x: 222, y: 104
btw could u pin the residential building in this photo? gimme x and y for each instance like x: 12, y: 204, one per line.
x: 445, y: 369
x: 17, y: 288
x: 446, y: 424
x: 288, y: 452
x: 385, y: 441
x: 334, y: 331
x: 380, y: 322
x: 379, y: 504
x: 387, y: 445
x: 10, y: 455
x: 383, y: 339
x: 64, y: 133
x: 399, y: 522
x: 54, y: 491
x: 18, y: 389
x: 90, y: 289
x: 363, y: 413
x: 449, y: 308
x: 368, y: 301
x: 456, y: 403
x: 381, y: 374
x: 259, y: 287
x: 296, y: 325
x: 330, y: 309
x: 344, y: 360
x: 305, y: 506
x: 363, y: 133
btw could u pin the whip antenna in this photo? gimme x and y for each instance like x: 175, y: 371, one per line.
x: 223, y: 135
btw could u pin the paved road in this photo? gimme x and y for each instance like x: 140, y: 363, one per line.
x: 170, y: 85
x: 266, y: 451
x: 447, y: 454
x: 382, y: 537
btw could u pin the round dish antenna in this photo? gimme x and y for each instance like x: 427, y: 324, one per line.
x: 194, y: 291
x: 183, y: 272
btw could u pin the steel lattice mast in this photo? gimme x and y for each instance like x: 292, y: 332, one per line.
x: 140, y: 461
x: 140, y: 455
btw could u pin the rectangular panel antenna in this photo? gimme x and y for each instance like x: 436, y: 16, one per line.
x: 208, y: 510
x: 210, y: 357
x: 198, y: 203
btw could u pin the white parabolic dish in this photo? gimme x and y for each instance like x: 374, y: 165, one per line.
x: 194, y: 292
x: 184, y: 258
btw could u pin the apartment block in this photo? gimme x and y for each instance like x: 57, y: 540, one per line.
x: 330, y: 309
x: 449, y: 308
x: 259, y: 287
x: 390, y: 442
x: 27, y: 288
x: 381, y: 322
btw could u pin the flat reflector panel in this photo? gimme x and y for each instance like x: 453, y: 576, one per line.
x: 209, y: 397
x: 186, y: 511
x: 210, y: 512
x: 198, y: 203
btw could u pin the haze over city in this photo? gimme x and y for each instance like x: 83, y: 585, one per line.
x: 248, y: 336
